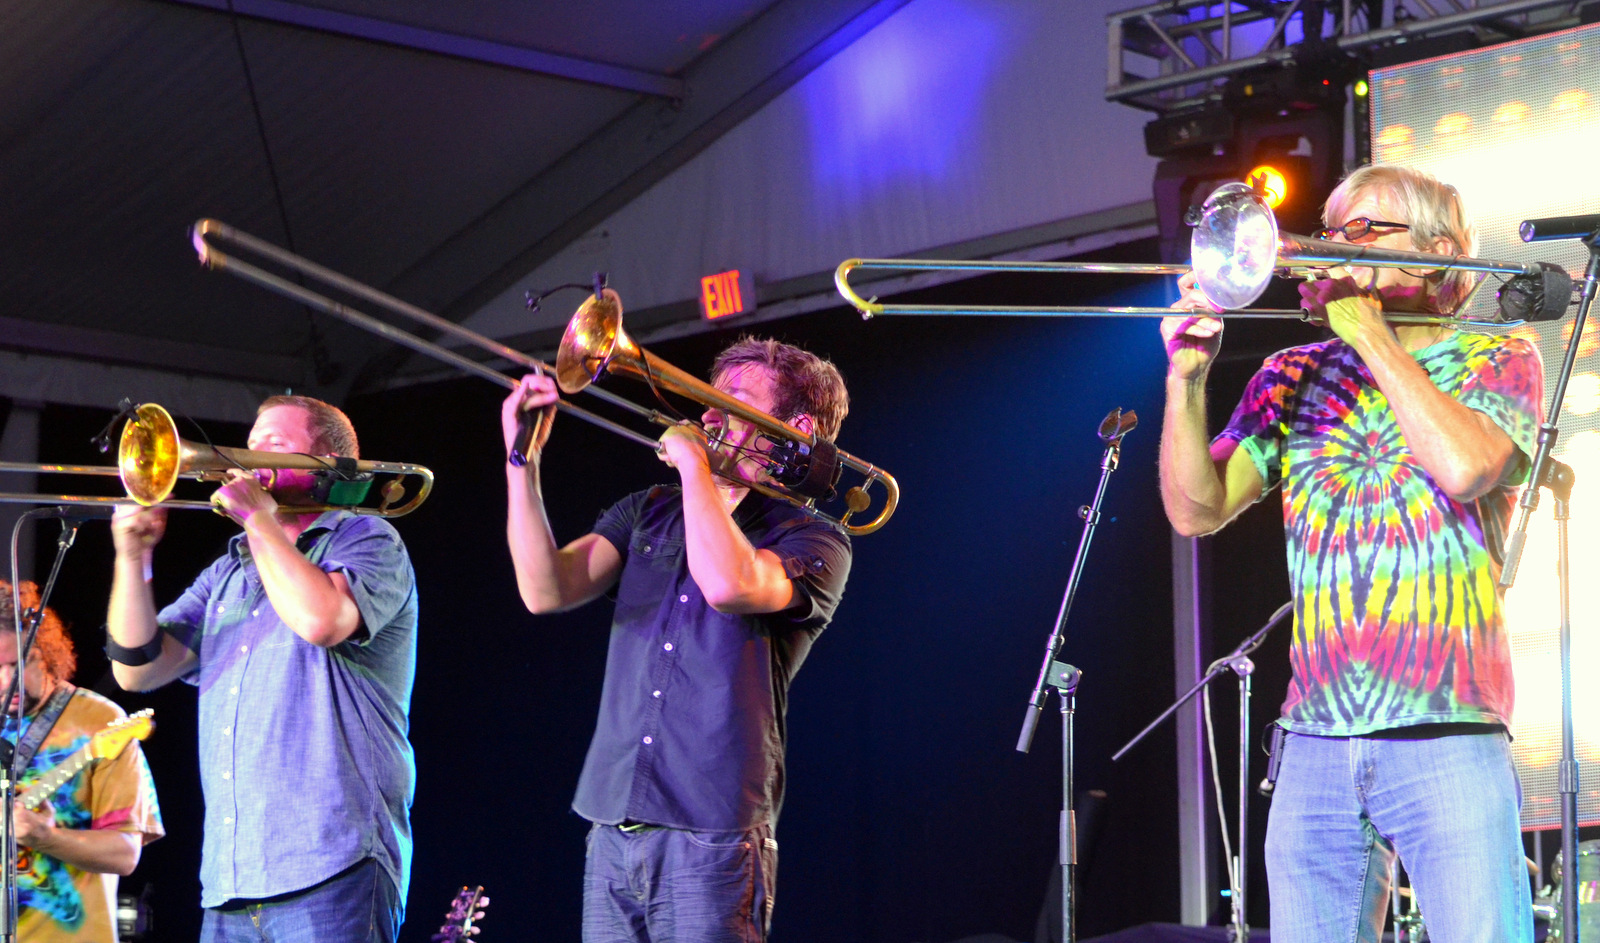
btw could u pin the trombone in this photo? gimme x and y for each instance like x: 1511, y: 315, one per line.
x: 1236, y: 249
x: 151, y: 458
x: 804, y: 467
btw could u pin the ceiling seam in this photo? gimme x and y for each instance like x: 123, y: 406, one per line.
x: 321, y: 366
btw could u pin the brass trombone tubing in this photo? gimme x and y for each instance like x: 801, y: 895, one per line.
x: 603, y: 320
x: 1315, y: 252
x: 29, y: 467
x: 227, y: 458
x: 206, y: 230
x: 253, y: 460
x: 99, y: 500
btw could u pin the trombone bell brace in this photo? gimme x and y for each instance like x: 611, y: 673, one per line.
x: 809, y: 471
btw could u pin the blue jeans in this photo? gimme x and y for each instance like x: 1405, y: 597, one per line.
x: 357, y: 905
x: 646, y: 884
x: 1449, y: 805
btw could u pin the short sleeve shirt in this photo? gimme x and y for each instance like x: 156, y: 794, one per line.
x: 58, y: 902
x: 691, y: 732
x: 304, y: 757
x: 1397, y: 613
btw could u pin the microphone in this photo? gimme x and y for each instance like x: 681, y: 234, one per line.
x: 1541, y: 296
x: 1117, y: 424
x: 125, y: 410
x: 1559, y: 227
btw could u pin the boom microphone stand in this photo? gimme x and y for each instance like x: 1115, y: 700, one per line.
x: 1546, y: 474
x: 1065, y: 677
x: 1238, y: 661
x: 70, y: 518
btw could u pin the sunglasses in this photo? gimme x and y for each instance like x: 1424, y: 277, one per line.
x: 1357, y: 228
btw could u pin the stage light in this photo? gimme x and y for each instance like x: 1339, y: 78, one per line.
x: 1269, y: 181
x: 1272, y: 126
x: 1362, y: 88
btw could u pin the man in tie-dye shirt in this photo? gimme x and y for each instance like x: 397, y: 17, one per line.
x: 94, y: 826
x: 1398, y: 448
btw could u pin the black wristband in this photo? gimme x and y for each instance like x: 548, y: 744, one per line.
x: 134, y: 657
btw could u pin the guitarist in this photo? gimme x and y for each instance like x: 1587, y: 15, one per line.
x: 92, y: 829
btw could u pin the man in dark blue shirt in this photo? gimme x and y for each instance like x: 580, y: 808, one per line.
x: 720, y: 593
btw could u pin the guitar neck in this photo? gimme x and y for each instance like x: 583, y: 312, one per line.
x: 41, y: 789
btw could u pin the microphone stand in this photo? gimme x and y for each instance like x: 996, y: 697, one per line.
x: 24, y: 637
x: 1238, y: 661
x: 1546, y: 474
x: 1064, y: 677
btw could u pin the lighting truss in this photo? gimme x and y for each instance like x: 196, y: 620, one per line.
x: 1177, y: 54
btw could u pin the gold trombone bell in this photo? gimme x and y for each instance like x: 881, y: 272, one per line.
x: 595, y: 343
x: 151, y: 458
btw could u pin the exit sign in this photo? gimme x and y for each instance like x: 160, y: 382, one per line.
x: 726, y: 294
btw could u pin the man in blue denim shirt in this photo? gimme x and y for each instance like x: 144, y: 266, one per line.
x: 720, y: 593
x: 302, y: 641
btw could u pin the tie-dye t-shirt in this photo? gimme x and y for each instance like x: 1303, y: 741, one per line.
x: 57, y: 902
x: 1397, y: 613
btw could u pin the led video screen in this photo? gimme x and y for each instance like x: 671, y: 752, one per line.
x: 1515, y: 128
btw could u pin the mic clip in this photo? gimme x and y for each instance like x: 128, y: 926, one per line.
x: 808, y: 471
x: 125, y: 410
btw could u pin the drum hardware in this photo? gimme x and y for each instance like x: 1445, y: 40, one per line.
x: 1585, y: 889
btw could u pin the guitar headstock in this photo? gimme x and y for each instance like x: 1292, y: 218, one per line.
x: 461, y: 923
x: 116, y: 737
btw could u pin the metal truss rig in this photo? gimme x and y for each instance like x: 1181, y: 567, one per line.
x: 1174, y: 55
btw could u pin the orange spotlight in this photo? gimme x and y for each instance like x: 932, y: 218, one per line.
x: 1269, y: 181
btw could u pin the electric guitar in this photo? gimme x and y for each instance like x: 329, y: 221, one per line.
x: 460, y: 924
x: 105, y: 745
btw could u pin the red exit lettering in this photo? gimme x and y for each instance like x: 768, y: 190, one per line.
x: 720, y: 295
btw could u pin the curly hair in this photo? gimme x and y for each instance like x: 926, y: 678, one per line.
x: 54, y: 645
